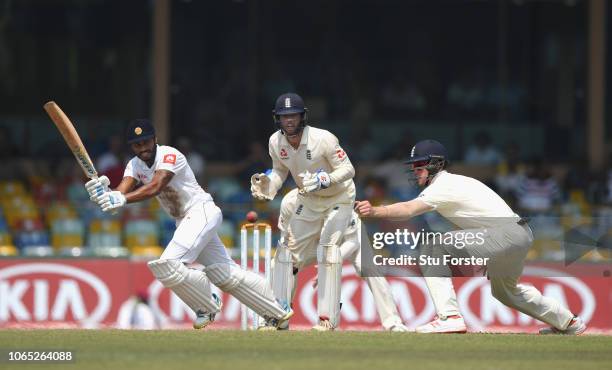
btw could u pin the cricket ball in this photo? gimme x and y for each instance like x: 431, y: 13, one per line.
x: 251, y: 216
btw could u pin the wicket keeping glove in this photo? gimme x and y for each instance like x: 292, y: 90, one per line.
x: 260, y: 186
x: 111, y: 200
x: 316, y: 181
x: 97, y: 187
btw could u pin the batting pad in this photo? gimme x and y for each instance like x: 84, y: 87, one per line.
x: 191, y: 286
x: 282, y: 274
x: 330, y: 271
x: 247, y: 287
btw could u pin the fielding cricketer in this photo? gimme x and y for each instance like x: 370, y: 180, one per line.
x: 163, y: 172
x: 473, y: 207
x: 350, y: 249
x: 324, y: 174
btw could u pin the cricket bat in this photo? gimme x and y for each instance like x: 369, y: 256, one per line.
x: 71, y: 137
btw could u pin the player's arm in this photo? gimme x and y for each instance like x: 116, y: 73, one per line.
x: 264, y: 186
x: 117, y: 199
x: 342, y: 168
x: 161, y: 178
x: 126, y: 185
x: 401, y: 210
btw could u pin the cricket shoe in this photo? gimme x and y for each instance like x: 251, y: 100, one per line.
x: 203, y: 319
x: 444, y: 325
x: 278, y: 324
x: 575, y: 327
x: 399, y: 328
x: 324, y: 325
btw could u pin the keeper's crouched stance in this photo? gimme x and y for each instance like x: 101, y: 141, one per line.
x: 164, y: 173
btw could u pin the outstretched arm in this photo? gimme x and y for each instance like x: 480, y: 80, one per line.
x: 402, y: 210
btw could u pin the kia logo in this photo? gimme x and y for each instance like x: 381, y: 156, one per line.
x: 68, y: 295
x: 490, y: 310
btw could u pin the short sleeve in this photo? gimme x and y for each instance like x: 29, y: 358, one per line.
x: 129, y: 170
x: 172, y: 160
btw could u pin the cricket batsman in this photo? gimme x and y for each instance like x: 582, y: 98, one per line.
x: 163, y: 172
x: 505, y: 240
x: 324, y: 174
x: 285, y: 271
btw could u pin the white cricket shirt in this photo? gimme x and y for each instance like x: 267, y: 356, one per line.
x: 318, y: 149
x: 466, y: 202
x: 182, y: 192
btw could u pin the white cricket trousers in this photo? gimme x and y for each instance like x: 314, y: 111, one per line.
x: 196, y: 238
x: 506, y: 247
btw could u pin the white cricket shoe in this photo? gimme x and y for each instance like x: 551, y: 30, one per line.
x: 446, y: 325
x: 399, y: 328
x: 323, y: 325
x: 278, y: 324
x: 575, y: 327
x: 203, y: 319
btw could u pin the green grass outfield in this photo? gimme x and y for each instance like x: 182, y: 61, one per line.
x: 294, y: 350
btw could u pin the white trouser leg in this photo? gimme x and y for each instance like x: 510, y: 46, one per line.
x: 379, y: 286
x: 528, y: 300
x: 443, y: 295
x: 192, y: 235
x: 439, y: 283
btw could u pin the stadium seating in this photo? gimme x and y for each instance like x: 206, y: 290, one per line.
x: 141, y: 233
x: 67, y: 233
x: 104, y: 233
x: 8, y: 251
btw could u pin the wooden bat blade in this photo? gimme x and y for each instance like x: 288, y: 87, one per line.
x: 71, y: 137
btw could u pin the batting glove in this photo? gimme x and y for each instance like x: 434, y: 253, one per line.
x: 316, y: 181
x: 97, y: 187
x: 260, y: 186
x: 111, y: 200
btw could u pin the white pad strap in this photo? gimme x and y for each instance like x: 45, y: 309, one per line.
x: 246, y: 286
x: 282, y: 274
x: 330, y: 272
x: 191, y: 286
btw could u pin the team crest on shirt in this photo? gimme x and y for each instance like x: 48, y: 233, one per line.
x: 340, y: 153
x: 170, y: 158
x: 284, y: 154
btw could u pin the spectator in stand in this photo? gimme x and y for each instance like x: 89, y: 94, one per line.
x: 400, y: 186
x: 194, y: 159
x: 510, y: 173
x: 256, y: 161
x: 136, y: 313
x: 482, y: 152
x: 110, y: 163
x: 538, y: 192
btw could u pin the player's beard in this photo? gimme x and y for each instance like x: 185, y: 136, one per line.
x: 148, y: 156
x: 295, y: 131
